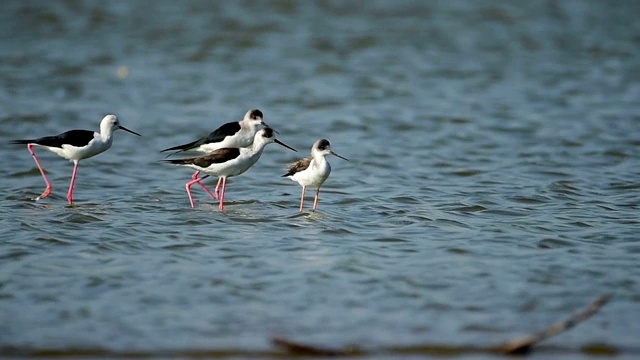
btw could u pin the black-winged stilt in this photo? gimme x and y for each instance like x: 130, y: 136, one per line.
x: 237, y: 134
x: 312, y: 171
x: 227, y: 162
x: 75, y: 145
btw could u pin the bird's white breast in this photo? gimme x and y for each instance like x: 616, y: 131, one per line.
x: 315, y: 175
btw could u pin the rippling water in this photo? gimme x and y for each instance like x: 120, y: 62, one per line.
x: 493, y: 186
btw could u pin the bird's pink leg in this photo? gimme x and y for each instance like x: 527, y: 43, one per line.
x: 224, y: 188
x: 218, y: 188
x: 195, y: 176
x: 315, y: 200
x: 73, y: 182
x: 47, y: 191
x: 302, y: 198
x: 188, y: 187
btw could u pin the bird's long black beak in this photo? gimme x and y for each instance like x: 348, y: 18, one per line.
x: 127, y: 130
x: 343, y: 158
x: 283, y: 144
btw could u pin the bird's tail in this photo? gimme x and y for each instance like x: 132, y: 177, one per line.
x: 22, y: 142
x: 180, y: 148
x: 179, y: 161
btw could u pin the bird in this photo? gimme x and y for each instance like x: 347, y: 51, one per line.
x: 75, y: 145
x: 228, y: 162
x: 312, y: 171
x: 237, y: 134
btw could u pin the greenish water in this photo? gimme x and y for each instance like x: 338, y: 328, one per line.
x: 493, y: 186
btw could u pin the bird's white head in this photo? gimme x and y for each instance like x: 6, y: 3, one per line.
x: 110, y: 123
x: 322, y: 147
x: 254, y: 116
x: 255, y: 119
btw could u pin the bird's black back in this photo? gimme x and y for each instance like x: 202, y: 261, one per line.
x: 76, y: 138
x: 216, y: 157
x: 215, y: 136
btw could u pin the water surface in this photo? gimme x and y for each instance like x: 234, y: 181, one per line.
x: 493, y: 186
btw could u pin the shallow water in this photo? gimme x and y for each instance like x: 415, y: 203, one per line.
x: 493, y: 186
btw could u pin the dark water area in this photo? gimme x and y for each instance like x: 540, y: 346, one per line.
x: 493, y: 186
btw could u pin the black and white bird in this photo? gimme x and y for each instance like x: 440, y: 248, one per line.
x: 312, y: 171
x: 232, y: 134
x: 228, y: 162
x: 237, y: 134
x: 75, y: 145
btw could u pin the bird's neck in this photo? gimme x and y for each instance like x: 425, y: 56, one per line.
x: 319, y: 158
x: 245, y: 126
x: 248, y: 132
x: 106, y: 135
x: 255, y: 148
x: 318, y: 162
x: 259, y: 145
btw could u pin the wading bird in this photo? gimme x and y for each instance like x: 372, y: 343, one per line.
x: 236, y: 134
x: 312, y: 171
x: 228, y: 162
x: 75, y: 145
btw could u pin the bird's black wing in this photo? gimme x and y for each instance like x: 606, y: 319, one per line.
x: 76, y: 138
x: 215, y: 136
x: 222, y: 132
x: 216, y: 157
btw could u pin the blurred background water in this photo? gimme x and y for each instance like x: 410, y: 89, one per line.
x: 493, y: 185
